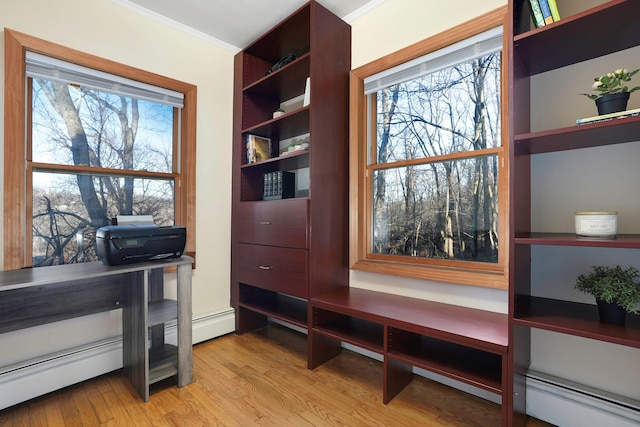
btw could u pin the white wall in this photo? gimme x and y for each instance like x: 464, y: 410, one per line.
x: 108, y: 30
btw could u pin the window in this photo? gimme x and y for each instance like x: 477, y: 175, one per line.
x: 428, y: 161
x: 102, y: 140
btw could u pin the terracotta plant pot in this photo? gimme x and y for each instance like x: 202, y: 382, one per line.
x: 612, y: 103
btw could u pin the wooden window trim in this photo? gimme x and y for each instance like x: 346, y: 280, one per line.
x: 360, y: 257
x: 16, y: 178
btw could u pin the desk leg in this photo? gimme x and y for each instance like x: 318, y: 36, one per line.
x: 185, y: 359
x: 135, y: 357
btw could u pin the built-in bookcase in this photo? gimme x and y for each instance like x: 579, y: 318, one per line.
x: 286, y: 249
x: 537, y: 55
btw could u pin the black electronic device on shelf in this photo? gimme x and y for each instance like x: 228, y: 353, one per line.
x: 127, y: 244
x: 284, y: 61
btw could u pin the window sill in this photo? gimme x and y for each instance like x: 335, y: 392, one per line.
x: 496, y: 277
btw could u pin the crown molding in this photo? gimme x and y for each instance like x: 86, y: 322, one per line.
x: 176, y: 25
x: 363, y: 10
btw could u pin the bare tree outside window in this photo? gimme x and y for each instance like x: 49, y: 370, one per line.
x: 434, y: 180
x: 95, y: 156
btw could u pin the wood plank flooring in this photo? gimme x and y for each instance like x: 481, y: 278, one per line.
x: 259, y: 379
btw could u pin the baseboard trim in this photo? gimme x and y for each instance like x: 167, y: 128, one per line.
x: 569, y: 404
x: 29, y: 379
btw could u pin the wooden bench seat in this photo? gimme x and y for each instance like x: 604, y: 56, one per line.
x: 465, y: 344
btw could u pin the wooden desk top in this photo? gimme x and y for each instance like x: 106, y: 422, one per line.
x: 28, y: 277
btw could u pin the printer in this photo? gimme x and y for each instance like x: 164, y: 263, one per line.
x: 127, y: 244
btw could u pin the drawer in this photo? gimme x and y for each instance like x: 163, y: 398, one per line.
x: 281, y: 270
x: 274, y: 223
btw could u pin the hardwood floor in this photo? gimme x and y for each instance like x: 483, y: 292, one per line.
x: 259, y: 379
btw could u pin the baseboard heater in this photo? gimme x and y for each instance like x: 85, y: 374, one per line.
x: 544, y: 390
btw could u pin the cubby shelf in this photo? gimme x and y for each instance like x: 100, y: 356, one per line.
x: 279, y: 306
x: 575, y: 319
x: 573, y: 37
x: 452, y: 360
x: 353, y: 330
x: 288, y: 125
x: 285, y: 83
x: 163, y: 362
x: 611, y: 132
x: 162, y: 311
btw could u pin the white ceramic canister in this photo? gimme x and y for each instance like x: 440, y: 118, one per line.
x: 597, y: 224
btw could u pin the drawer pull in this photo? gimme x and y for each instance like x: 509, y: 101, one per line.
x: 265, y: 222
x: 264, y: 267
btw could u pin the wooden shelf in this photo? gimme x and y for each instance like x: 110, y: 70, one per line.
x: 279, y: 306
x: 286, y: 126
x: 162, y: 311
x: 573, y: 38
x: 163, y: 362
x: 353, y: 330
x: 575, y: 137
x: 628, y: 241
x: 465, y: 364
x: 574, y: 319
x: 298, y: 160
x: 285, y: 83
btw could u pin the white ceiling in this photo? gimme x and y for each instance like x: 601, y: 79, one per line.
x: 236, y: 23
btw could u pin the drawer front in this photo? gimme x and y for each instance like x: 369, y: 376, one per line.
x: 274, y: 223
x: 281, y: 270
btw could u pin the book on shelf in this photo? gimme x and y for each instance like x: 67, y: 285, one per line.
x: 307, y: 92
x: 536, y: 13
x: 279, y: 185
x: 546, y: 12
x: 610, y: 116
x: 258, y: 148
x: 553, y: 7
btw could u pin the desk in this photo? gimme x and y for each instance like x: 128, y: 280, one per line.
x: 36, y: 296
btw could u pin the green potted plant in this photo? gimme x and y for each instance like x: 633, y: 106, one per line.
x: 615, y: 288
x: 612, y: 92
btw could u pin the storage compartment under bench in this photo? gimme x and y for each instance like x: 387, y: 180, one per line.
x: 464, y: 344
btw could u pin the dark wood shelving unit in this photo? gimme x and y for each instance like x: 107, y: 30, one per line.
x: 530, y: 54
x: 277, y: 262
